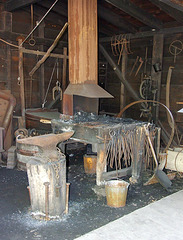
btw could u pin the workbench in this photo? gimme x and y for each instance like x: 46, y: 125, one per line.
x: 98, y: 131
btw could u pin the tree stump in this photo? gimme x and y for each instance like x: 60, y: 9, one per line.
x: 47, y: 185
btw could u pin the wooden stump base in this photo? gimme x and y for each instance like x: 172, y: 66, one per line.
x: 47, y: 185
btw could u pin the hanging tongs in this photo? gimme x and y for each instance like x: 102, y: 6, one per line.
x: 57, y: 88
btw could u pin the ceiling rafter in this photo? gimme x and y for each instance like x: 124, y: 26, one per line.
x: 115, y: 19
x: 60, y: 9
x: 166, y: 31
x: 137, y: 12
x: 174, y: 13
x: 13, y: 5
x: 174, y: 4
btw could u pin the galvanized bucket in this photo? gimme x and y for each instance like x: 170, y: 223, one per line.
x: 116, y: 193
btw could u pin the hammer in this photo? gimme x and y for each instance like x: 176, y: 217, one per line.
x: 140, y: 65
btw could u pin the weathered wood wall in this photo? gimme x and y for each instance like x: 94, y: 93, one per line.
x: 18, y: 25
x: 138, y: 46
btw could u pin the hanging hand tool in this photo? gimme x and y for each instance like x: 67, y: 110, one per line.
x: 158, y: 174
x: 58, y: 89
x: 137, y: 58
x: 176, y: 48
x: 140, y: 65
x: 145, y: 63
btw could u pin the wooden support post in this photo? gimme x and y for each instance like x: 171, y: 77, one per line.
x: 157, y: 57
x: 42, y: 75
x: 21, y: 82
x: 83, y: 51
x: 64, y: 71
x: 68, y: 104
x: 101, y: 164
x: 6, y: 25
x: 123, y: 70
x: 6, y: 21
x: 64, y: 83
x: 8, y: 54
x: 138, y: 152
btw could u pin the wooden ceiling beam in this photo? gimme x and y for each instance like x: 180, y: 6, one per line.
x: 166, y: 31
x: 60, y: 8
x: 105, y: 29
x: 115, y: 19
x: 13, y: 5
x: 173, y: 12
x: 136, y: 12
x: 12, y: 36
x: 51, y: 17
x: 174, y: 4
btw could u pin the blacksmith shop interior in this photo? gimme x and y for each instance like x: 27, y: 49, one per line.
x: 91, y: 119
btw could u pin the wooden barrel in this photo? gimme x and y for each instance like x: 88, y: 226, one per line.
x: 24, y: 153
x: 33, y: 117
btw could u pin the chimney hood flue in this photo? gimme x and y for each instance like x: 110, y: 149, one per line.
x: 89, y: 90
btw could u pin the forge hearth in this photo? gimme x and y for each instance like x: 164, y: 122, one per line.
x: 85, y: 97
x: 109, y: 135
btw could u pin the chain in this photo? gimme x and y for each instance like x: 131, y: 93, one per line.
x: 55, y: 164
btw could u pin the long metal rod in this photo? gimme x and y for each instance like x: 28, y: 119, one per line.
x: 46, y: 184
x: 44, y: 101
x: 39, y: 22
x: 67, y: 198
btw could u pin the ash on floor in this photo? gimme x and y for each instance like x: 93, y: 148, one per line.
x: 87, y: 210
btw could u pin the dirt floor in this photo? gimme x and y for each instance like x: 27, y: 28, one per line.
x: 87, y: 210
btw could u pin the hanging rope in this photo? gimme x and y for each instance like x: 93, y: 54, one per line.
x: 43, y: 104
x: 2, y: 40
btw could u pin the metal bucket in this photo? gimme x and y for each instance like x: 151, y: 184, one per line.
x: 116, y: 193
x: 90, y: 162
